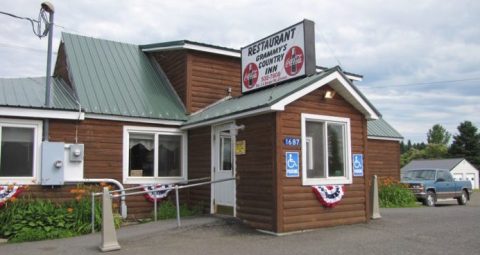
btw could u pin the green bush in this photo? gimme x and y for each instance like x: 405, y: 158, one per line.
x: 167, y: 210
x: 396, y: 195
x: 34, y: 219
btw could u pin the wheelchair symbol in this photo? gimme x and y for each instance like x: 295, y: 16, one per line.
x: 291, y: 163
x: 357, y: 163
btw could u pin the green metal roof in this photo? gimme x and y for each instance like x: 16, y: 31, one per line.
x: 30, y: 93
x: 114, y: 78
x: 380, y: 128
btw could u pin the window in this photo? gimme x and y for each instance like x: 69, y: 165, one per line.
x: 226, y: 152
x: 154, y: 155
x: 325, y: 150
x: 19, y: 146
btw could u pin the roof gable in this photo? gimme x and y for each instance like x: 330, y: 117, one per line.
x: 277, y: 97
x: 112, y: 78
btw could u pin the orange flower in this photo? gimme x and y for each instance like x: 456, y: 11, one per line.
x: 103, y: 184
x: 73, y: 191
x: 78, y: 197
x: 13, y: 199
x: 81, y: 191
x: 69, y: 210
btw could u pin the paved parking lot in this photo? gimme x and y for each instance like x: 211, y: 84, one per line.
x: 445, y: 229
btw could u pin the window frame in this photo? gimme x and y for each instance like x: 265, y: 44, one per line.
x: 156, y: 131
x: 37, y: 126
x: 347, y: 153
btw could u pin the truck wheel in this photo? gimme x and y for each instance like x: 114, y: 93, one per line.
x: 430, y: 199
x: 463, y: 199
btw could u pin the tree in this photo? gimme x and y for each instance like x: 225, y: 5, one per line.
x: 438, y: 135
x: 467, y: 143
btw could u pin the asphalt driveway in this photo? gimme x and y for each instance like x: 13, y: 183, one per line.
x: 445, y: 229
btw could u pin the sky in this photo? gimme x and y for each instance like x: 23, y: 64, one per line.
x: 420, y: 59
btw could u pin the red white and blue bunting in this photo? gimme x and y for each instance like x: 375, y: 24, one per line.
x: 160, y: 193
x: 329, y: 195
x: 7, y: 192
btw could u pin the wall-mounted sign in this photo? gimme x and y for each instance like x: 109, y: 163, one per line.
x: 291, y: 141
x: 240, y: 147
x: 357, y: 164
x: 292, y: 164
x: 282, y: 56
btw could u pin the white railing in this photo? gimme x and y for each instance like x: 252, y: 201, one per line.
x: 176, y: 188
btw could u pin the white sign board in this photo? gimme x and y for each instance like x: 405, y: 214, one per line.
x: 285, y: 55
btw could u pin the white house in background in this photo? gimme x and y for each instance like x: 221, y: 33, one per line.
x: 460, y: 168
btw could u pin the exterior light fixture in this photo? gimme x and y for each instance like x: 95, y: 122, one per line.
x: 329, y: 94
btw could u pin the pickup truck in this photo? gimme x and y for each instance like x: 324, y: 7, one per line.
x: 430, y: 185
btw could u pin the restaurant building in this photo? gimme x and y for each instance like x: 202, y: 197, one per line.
x: 301, y: 140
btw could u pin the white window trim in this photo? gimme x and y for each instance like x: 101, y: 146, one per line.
x: 37, y: 143
x: 157, y: 131
x: 347, y: 179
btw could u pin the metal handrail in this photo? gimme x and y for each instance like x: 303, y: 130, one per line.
x: 176, y: 188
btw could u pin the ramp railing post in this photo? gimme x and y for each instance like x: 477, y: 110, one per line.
x: 93, y: 212
x: 374, y: 198
x: 178, y: 205
x: 154, y: 206
x: 109, y: 236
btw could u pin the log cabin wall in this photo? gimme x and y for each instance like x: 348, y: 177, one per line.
x: 199, y: 166
x: 256, y: 185
x: 383, y: 158
x: 298, y: 208
x: 174, y: 64
x: 103, y: 141
x: 200, y: 78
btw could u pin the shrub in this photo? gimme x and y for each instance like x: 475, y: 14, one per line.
x: 33, y: 219
x: 394, y: 194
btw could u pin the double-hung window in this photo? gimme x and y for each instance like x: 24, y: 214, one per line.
x: 326, y: 150
x: 19, y: 146
x: 154, y: 155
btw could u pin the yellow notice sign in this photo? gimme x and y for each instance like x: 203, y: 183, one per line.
x: 240, y: 147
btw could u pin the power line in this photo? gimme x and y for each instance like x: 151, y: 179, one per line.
x: 7, y: 45
x: 36, y: 24
x: 421, y: 83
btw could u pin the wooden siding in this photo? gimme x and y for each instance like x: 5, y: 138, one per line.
x: 199, y: 78
x: 299, y: 209
x: 256, y: 172
x: 103, y: 141
x: 61, y: 67
x: 384, y: 158
x: 210, y: 76
x: 199, y: 166
x: 174, y: 64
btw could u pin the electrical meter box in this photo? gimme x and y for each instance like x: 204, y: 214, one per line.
x: 76, y: 153
x: 52, y: 163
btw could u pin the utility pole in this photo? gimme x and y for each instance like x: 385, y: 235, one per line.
x: 48, y: 7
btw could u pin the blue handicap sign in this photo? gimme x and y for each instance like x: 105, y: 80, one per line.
x: 292, y: 164
x: 357, y: 164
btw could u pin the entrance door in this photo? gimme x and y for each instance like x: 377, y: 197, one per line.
x: 223, y: 163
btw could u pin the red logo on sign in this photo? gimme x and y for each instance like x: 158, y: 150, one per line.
x: 250, y: 75
x: 294, y: 60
